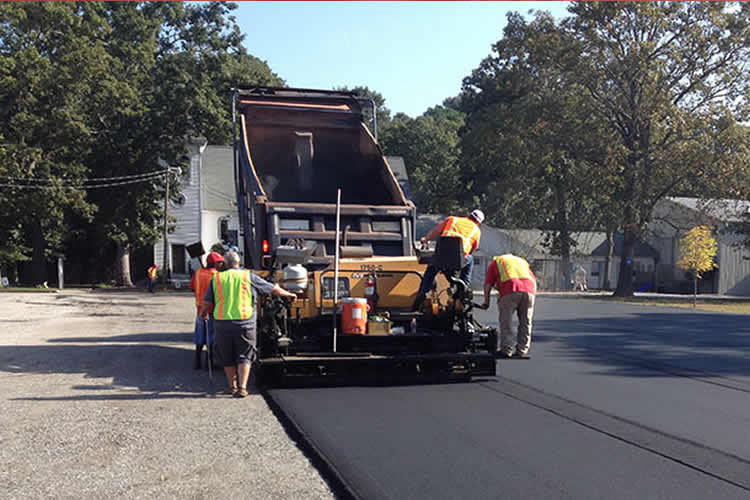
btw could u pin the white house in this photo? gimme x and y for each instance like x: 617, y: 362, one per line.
x: 673, y: 217
x: 206, y: 211
x: 590, y: 252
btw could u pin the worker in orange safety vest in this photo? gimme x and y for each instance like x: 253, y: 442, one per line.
x: 151, y: 274
x: 203, y: 334
x: 513, y: 278
x: 466, y: 228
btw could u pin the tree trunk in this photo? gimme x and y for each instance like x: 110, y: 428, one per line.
x: 565, y: 264
x: 608, y: 259
x: 123, y: 266
x: 625, y: 279
x: 695, y: 289
x: 563, y: 236
x: 38, y: 262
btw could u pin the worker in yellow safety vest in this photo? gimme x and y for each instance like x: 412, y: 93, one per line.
x: 513, y: 278
x: 231, y: 297
x: 466, y: 228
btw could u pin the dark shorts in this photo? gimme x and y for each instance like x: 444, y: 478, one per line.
x: 235, y: 344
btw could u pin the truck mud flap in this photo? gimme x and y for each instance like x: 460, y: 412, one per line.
x: 340, y: 369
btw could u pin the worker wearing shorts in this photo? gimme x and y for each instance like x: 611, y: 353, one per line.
x: 231, y: 296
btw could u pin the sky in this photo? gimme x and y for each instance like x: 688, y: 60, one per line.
x: 414, y: 53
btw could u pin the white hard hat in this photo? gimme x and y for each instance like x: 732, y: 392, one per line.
x: 477, y: 215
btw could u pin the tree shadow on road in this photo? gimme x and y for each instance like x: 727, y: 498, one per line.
x: 653, y: 344
x: 135, y: 366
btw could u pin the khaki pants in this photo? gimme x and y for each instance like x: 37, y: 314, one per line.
x: 523, y: 304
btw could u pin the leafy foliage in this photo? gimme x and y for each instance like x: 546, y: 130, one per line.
x: 668, y: 78
x: 109, y: 90
x: 47, y: 69
x: 429, y: 146
x: 382, y: 113
x: 697, y: 251
x: 533, y: 152
x: 595, y: 119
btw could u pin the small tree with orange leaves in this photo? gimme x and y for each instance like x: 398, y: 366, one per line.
x: 697, y: 252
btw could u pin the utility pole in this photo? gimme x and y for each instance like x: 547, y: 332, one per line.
x: 165, y: 269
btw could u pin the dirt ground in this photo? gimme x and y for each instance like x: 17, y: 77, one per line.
x: 99, y: 400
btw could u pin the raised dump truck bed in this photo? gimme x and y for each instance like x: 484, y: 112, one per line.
x: 294, y: 149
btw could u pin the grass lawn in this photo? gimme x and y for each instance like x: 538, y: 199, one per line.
x: 715, y: 305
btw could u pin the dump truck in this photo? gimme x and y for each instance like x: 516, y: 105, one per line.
x: 309, y: 173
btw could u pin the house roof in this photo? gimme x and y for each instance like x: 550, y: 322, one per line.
x: 530, y: 243
x: 722, y: 209
x: 641, y: 249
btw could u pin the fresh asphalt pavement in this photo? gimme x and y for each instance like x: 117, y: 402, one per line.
x: 618, y: 402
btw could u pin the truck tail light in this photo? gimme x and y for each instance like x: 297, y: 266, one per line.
x: 265, y: 246
x: 370, y: 286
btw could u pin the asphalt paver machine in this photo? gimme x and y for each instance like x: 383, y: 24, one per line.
x: 295, y: 150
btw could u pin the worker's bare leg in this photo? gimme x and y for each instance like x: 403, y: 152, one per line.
x: 525, y: 315
x: 507, y: 304
x: 243, y: 374
x: 231, y: 374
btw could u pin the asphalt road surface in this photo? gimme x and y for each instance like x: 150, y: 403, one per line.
x: 618, y: 402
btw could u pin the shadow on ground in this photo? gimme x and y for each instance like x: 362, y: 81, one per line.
x: 139, y: 363
x: 652, y: 344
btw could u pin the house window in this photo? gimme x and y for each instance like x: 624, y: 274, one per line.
x: 227, y: 236
x: 223, y: 228
x: 178, y: 259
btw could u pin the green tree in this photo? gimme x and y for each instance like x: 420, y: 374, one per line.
x: 429, y: 146
x: 173, y: 67
x: 48, y: 66
x: 534, y: 153
x: 382, y: 113
x: 697, y: 252
x: 663, y: 75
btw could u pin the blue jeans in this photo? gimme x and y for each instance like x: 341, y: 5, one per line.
x: 429, y: 277
x: 199, y: 334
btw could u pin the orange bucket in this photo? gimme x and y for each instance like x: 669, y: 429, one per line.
x: 354, y: 315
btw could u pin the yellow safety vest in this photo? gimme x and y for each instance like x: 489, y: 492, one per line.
x: 234, y: 295
x: 515, y: 275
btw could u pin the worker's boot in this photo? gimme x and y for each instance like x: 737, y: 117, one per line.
x: 198, y: 355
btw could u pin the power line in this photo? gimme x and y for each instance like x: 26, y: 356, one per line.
x: 75, y: 186
x: 155, y: 173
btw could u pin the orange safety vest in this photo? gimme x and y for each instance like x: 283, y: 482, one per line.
x: 515, y: 275
x: 201, y: 280
x: 151, y: 273
x: 466, y: 229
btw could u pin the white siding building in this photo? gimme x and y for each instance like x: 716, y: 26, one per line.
x: 674, y: 217
x: 207, y: 209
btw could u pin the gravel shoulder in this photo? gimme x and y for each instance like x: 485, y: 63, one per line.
x: 99, y: 400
